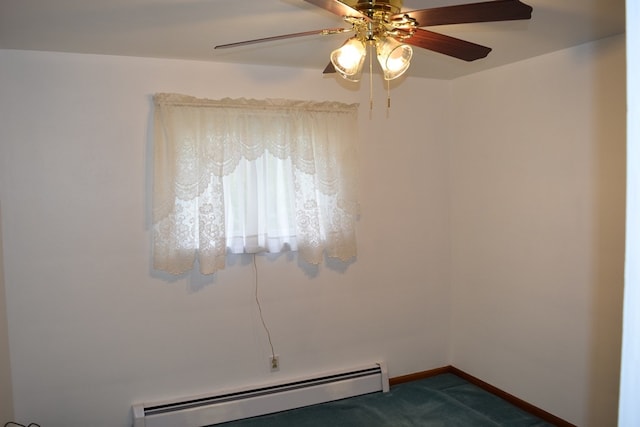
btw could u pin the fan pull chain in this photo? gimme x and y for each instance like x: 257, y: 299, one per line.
x: 370, y: 78
x: 388, y: 96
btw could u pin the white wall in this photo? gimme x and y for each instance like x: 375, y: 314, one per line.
x: 538, y: 196
x: 6, y: 396
x: 534, y: 193
x: 92, y: 329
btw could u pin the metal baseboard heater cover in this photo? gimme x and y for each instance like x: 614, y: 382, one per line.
x: 230, y: 405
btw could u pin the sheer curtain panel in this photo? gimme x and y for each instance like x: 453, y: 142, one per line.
x: 247, y: 176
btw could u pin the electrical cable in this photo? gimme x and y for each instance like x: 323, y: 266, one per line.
x: 12, y: 423
x: 264, y: 324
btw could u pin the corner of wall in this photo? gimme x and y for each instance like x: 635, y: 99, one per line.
x: 450, y: 137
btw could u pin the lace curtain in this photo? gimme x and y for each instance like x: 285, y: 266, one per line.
x: 239, y: 175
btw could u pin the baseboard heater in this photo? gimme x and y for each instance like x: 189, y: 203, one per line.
x: 230, y: 405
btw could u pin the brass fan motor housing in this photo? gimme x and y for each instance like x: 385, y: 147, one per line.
x: 373, y: 8
x: 380, y: 12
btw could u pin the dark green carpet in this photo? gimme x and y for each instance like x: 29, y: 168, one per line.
x: 443, y: 401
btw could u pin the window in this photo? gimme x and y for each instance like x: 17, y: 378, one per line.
x: 246, y: 176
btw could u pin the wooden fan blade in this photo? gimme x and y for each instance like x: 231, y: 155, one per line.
x: 329, y: 68
x: 447, y: 45
x: 325, y: 31
x: 338, y: 8
x: 490, y: 11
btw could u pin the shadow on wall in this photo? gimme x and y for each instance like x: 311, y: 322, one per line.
x: 197, y: 281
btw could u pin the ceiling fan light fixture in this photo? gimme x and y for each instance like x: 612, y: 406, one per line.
x: 382, y: 24
x: 349, y: 58
x: 394, y: 57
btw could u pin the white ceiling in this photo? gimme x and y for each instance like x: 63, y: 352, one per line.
x: 188, y: 29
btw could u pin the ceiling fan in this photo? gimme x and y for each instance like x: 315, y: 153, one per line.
x: 382, y: 25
